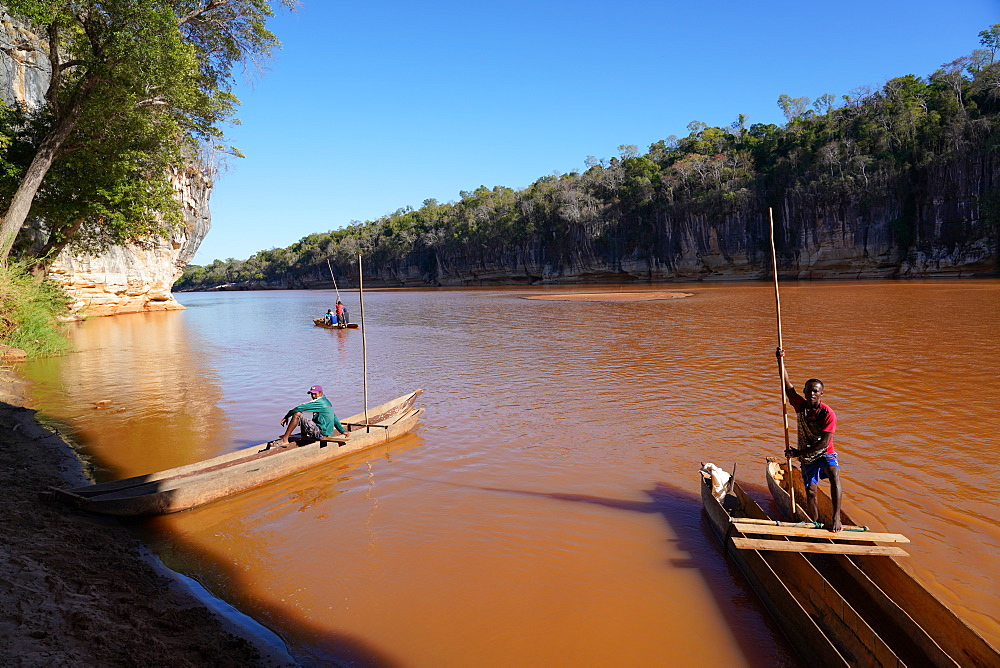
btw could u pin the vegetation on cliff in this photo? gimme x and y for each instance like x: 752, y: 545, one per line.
x: 134, y: 87
x: 880, y: 155
x: 135, y: 91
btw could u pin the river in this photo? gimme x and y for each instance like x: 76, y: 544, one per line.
x: 546, y: 510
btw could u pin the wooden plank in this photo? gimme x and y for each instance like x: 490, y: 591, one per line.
x: 805, y: 532
x: 331, y: 439
x: 800, y: 525
x: 822, y: 548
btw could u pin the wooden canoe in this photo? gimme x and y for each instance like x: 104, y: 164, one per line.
x: 192, y: 485
x: 321, y: 322
x: 822, y: 627
x: 906, y: 608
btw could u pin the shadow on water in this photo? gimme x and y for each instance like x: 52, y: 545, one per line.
x: 310, y: 644
x: 313, y: 645
x: 757, y: 634
x: 321, y: 648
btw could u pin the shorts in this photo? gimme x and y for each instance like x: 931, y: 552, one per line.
x: 309, y: 429
x: 815, y: 471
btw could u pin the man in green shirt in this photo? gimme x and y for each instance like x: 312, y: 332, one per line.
x: 323, y: 421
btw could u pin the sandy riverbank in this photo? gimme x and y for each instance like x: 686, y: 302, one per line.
x: 79, y: 590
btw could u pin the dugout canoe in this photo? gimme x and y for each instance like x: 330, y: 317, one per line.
x: 321, y: 322
x: 822, y: 627
x: 906, y: 608
x: 192, y: 485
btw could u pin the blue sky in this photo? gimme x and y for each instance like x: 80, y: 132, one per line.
x: 371, y: 107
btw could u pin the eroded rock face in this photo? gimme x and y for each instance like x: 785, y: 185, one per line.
x: 24, y: 72
x: 135, y: 278
x: 124, y: 279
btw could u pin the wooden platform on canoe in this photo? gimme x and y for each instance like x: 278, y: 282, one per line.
x: 321, y: 322
x: 903, y: 610
x: 194, y: 484
x: 815, y: 617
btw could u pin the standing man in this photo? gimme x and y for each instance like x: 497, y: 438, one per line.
x: 817, y: 458
x: 341, y: 314
x: 322, y: 423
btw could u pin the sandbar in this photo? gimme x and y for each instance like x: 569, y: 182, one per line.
x: 612, y: 296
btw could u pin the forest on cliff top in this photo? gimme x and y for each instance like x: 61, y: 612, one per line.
x: 874, y: 153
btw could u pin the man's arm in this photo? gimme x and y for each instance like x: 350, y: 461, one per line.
x: 308, y: 407
x: 816, y: 448
x: 339, y: 427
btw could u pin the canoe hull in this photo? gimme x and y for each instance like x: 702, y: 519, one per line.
x: 195, y: 484
x: 941, y: 635
x: 320, y: 322
x: 822, y: 626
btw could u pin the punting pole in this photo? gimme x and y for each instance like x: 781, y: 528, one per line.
x: 364, y: 343
x: 334, y: 279
x: 781, y: 362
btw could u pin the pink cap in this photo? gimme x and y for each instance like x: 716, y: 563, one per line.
x: 315, y: 388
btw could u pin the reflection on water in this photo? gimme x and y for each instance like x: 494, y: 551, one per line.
x: 546, y: 510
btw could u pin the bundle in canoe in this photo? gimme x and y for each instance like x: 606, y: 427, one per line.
x: 194, y: 484
x: 321, y: 322
x: 905, y: 606
x: 821, y: 625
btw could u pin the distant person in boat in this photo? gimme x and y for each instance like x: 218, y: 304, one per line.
x: 818, y: 459
x: 328, y: 318
x: 322, y: 423
x: 341, y: 314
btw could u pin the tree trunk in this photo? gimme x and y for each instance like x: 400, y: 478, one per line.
x: 57, y: 241
x: 20, y: 205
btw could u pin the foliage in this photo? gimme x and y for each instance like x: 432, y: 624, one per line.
x: 865, y: 148
x: 29, y: 312
x: 134, y: 84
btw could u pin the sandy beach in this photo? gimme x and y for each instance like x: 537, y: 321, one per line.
x: 80, y: 590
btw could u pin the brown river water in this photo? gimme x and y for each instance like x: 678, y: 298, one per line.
x: 546, y: 510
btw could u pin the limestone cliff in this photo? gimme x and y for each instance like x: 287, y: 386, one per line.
x: 134, y: 278
x: 124, y: 279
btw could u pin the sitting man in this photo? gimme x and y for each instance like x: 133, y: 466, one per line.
x: 323, y: 421
x: 817, y: 458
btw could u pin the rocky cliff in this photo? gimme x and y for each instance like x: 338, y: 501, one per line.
x: 124, y: 279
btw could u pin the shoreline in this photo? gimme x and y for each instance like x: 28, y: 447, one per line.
x: 79, y: 589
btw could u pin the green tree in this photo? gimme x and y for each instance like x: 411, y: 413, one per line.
x: 990, y: 38
x: 792, y: 107
x: 169, y: 60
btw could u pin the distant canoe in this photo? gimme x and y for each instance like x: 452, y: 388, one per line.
x: 195, y: 484
x: 321, y: 322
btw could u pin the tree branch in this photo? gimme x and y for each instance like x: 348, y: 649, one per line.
x: 212, y: 4
x: 152, y: 102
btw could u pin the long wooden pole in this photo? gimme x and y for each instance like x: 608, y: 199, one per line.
x: 781, y: 363
x: 334, y: 278
x: 364, y: 343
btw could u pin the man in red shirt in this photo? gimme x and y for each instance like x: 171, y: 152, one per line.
x: 817, y: 458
